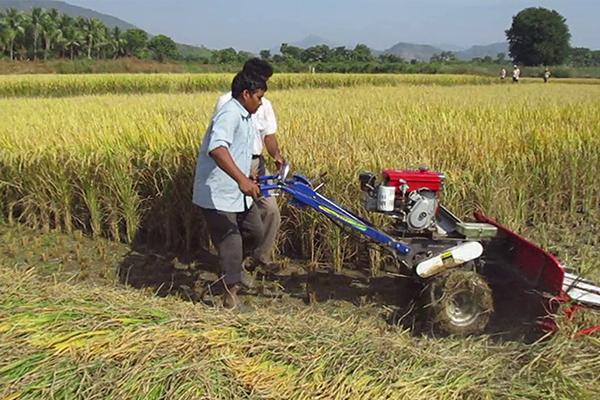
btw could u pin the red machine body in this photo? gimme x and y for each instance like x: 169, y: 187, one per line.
x: 415, y: 179
x: 538, y: 266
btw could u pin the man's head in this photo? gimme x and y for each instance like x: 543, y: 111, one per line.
x: 257, y: 66
x: 248, y: 89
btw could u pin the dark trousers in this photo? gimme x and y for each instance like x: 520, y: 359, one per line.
x: 234, y: 235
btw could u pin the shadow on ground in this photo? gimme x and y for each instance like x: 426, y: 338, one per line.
x: 197, y: 279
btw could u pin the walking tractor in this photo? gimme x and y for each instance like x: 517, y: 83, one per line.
x: 465, y: 267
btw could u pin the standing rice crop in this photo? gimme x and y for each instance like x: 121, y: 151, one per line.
x: 122, y: 166
x: 98, y: 84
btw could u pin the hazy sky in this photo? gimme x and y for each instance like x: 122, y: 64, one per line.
x: 255, y: 25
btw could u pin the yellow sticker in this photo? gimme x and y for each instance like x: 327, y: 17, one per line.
x: 447, y: 258
x: 348, y: 220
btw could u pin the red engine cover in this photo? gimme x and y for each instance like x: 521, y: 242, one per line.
x: 415, y: 179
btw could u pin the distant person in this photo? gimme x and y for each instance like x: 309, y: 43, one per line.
x: 546, y: 75
x: 266, y: 127
x: 503, y: 74
x: 516, y: 74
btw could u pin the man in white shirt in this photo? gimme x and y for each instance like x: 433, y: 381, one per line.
x: 516, y: 74
x: 266, y: 127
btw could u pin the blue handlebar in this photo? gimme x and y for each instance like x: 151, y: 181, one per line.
x: 303, y: 194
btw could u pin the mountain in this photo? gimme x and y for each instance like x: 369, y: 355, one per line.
x: 410, y: 51
x: 423, y: 52
x: 65, y: 8
x: 448, y: 47
x: 490, y: 50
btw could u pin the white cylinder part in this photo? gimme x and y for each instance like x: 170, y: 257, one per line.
x: 385, y: 198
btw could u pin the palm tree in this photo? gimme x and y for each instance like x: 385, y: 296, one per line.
x: 92, y: 31
x: 37, y: 14
x: 50, y: 32
x: 71, y: 35
x: 3, y: 34
x: 119, y: 43
x: 16, y: 28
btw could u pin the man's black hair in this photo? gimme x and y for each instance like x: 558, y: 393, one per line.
x: 250, y: 82
x: 259, y: 67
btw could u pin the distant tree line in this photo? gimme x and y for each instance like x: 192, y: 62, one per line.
x: 46, y: 34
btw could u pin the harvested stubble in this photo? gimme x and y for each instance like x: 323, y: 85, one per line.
x: 97, y: 84
x: 122, y: 166
x: 73, y: 341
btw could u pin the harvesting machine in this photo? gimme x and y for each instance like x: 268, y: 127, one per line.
x: 464, y: 267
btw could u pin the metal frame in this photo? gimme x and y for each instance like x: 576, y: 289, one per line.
x: 303, y: 194
x: 574, y: 289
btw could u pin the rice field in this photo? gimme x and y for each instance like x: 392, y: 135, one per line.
x: 113, y: 157
x: 122, y: 165
x: 97, y: 84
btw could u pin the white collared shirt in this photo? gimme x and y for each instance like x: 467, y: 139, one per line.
x: 264, y: 120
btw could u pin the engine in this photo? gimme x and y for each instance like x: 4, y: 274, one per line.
x: 410, y: 196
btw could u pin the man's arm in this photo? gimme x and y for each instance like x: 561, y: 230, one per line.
x: 224, y: 161
x: 273, y: 149
x: 270, y: 139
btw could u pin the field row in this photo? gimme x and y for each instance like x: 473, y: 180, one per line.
x: 122, y: 166
x: 76, y: 85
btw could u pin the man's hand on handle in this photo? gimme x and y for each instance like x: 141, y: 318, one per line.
x: 223, y: 159
x: 249, y: 187
x: 279, y: 161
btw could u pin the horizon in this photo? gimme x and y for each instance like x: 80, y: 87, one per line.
x: 379, y: 24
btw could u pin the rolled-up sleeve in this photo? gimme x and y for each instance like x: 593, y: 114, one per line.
x: 223, y: 128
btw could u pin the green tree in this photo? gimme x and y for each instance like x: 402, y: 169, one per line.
x: 443, y: 57
x: 538, y: 36
x: 3, y: 35
x: 136, y: 42
x: 580, y: 56
x: 265, y: 55
x: 118, y: 42
x: 71, y: 38
x: 92, y: 30
x: 50, y: 30
x: 341, y: 53
x: 390, y: 58
x: 319, y: 53
x: 37, y: 14
x: 15, y: 28
x: 225, y: 56
x: 362, y: 53
x: 584, y: 57
x: 162, y: 48
x: 290, y: 52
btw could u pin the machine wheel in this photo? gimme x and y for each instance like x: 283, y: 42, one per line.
x: 458, y: 302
